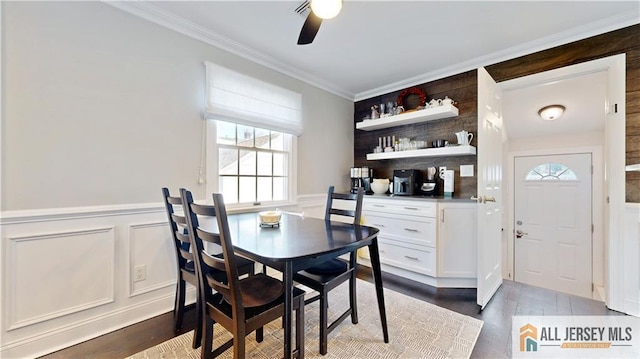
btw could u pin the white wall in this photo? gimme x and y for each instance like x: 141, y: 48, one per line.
x: 103, y: 108
x: 100, y: 109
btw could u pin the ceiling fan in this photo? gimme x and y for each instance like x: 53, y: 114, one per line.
x: 320, y: 10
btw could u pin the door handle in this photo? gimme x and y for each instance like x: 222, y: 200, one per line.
x: 479, y: 199
x: 489, y: 199
x: 520, y: 233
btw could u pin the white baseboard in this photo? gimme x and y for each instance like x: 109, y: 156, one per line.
x: 64, y: 337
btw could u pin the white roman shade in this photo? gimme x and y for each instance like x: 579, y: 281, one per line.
x: 239, y: 98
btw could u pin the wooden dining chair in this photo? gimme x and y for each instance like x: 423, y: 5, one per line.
x: 328, y: 275
x: 241, y: 306
x: 185, y: 263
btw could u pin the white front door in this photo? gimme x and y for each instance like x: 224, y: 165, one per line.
x: 489, y: 209
x: 553, y: 239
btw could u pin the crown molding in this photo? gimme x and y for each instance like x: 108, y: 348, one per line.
x: 178, y: 24
x: 153, y: 14
x: 561, y: 38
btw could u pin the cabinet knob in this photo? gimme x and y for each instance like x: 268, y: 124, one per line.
x: 411, y: 230
x: 412, y: 258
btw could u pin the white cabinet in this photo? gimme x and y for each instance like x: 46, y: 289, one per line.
x: 457, y: 240
x: 408, y: 230
x: 430, y: 241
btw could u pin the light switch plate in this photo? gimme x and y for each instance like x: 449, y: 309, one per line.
x: 466, y: 170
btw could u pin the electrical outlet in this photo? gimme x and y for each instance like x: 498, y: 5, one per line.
x: 140, y: 273
x: 442, y: 169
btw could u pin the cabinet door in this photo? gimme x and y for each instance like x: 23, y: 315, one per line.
x: 457, y: 240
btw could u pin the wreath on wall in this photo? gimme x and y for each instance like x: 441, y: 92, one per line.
x: 412, y: 98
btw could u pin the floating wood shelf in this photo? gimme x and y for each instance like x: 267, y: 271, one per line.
x: 406, y: 118
x: 426, y: 152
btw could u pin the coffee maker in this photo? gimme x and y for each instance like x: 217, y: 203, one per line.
x: 406, y: 182
x: 361, y: 177
x: 430, y: 186
x: 356, y: 179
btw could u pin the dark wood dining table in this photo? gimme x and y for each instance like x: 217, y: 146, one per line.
x: 301, y: 242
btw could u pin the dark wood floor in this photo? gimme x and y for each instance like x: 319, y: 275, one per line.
x: 494, y: 341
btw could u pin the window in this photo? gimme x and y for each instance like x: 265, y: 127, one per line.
x: 253, y: 163
x: 551, y: 171
x: 253, y: 125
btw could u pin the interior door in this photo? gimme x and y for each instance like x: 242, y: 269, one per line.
x: 490, y: 140
x: 553, y: 238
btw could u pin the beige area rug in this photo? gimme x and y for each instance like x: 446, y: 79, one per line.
x: 417, y: 329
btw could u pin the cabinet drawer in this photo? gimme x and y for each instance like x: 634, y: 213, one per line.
x: 421, y: 232
x: 420, y: 261
x: 421, y: 209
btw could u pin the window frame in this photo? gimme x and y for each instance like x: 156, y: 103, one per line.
x: 211, y: 166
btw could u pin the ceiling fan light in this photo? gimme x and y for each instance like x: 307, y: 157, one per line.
x: 551, y: 112
x: 326, y: 9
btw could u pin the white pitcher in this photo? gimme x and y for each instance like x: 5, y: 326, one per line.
x: 464, y: 137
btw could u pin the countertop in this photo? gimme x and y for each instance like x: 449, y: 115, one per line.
x: 421, y: 198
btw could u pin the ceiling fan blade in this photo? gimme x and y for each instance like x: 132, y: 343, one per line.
x: 309, y: 29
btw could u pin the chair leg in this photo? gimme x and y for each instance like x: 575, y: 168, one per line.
x: 239, y: 345
x: 178, y: 308
x: 260, y: 335
x: 300, y: 328
x: 206, y: 352
x: 197, y: 331
x: 353, y: 302
x: 323, y: 322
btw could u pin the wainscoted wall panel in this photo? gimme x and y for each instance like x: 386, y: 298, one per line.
x: 68, y: 274
x: 45, y: 266
x: 152, y: 251
x: 86, y: 272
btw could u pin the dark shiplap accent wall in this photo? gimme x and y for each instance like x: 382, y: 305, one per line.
x: 463, y: 88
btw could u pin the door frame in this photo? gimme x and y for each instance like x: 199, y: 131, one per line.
x: 616, y: 262
x: 597, y: 209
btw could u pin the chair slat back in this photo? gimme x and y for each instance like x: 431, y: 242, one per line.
x: 178, y: 226
x: 355, y: 213
x: 205, y: 262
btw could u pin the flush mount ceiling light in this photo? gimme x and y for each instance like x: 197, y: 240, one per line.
x: 326, y: 9
x: 551, y: 112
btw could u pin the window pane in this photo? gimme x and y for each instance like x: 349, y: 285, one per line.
x: 277, y: 141
x: 229, y: 189
x: 262, y: 138
x: 228, y: 161
x: 247, y: 162
x: 247, y: 189
x: 264, y: 188
x: 264, y: 163
x: 279, y: 164
x: 226, y: 133
x: 245, y: 136
x: 279, y: 188
x: 551, y: 172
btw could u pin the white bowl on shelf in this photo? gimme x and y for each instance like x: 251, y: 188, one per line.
x: 380, y: 185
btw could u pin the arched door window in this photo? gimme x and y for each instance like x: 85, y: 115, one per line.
x: 551, y: 172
